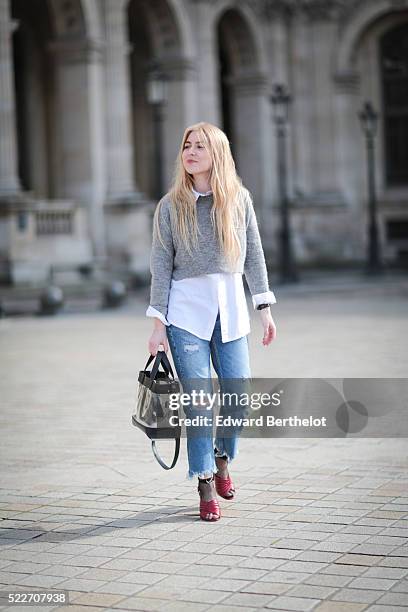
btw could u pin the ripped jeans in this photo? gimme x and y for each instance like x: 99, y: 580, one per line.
x: 191, y: 356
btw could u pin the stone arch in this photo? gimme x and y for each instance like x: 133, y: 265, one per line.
x: 358, y: 78
x: 157, y: 35
x: 239, y: 44
x: 355, y: 23
x: 42, y: 27
x: 250, y: 46
x: 243, y: 90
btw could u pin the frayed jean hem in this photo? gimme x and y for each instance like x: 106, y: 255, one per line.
x: 223, y: 453
x: 206, y: 474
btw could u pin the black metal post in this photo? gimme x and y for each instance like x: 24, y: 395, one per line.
x: 374, y: 265
x: 158, y: 150
x: 287, y: 267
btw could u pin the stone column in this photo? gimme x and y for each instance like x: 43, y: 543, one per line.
x: 323, y: 35
x: 208, y: 99
x: 276, y: 32
x: 348, y: 155
x: 301, y: 111
x: 119, y: 148
x: 255, y: 159
x: 9, y: 181
x: 179, y: 110
x: 81, y: 172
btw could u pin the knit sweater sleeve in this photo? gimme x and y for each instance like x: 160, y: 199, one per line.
x: 254, y: 266
x: 161, y: 259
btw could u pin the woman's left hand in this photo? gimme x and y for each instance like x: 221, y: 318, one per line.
x: 268, y: 325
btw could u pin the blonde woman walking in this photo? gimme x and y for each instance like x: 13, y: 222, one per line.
x: 205, y: 237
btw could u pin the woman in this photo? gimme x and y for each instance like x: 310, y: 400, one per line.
x: 205, y: 236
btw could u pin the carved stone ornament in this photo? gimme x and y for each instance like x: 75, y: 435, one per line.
x: 327, y: 10
x: 69, y: 20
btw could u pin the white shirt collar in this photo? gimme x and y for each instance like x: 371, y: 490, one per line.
x: 197, y: 194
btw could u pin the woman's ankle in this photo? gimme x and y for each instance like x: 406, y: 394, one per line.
x: 206, y: 488
x: 222, y: 466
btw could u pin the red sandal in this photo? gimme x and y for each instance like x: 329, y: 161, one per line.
x: 224, y: 486
x: 207, y: 507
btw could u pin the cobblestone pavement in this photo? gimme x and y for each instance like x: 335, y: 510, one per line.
x: 318, y: 524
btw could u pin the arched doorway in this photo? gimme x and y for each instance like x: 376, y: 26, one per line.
x: 34, y: 80
x: 372, y: 64
x: 244, y: 103
x: 394, y: 78
x: 155, y: 42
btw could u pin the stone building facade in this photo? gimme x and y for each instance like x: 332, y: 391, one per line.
x: 79, y: 146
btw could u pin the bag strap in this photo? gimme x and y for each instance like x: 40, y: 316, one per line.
x: 161, y: 359
x: 175, y: 457
x: 166, y: 364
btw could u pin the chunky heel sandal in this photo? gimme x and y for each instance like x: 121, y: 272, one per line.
x: 208, y: 507
x: 224, y: 486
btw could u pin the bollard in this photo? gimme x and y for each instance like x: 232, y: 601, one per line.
x: 114, y: 294
x: 51, y: 300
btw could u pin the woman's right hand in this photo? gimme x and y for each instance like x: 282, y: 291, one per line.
x: 158, y: 337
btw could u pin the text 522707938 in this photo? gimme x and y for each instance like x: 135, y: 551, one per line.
x: 33, y: 598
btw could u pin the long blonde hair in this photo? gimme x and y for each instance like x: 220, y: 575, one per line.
x: 229, y: 195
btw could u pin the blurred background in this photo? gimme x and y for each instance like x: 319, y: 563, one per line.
x: 96, y: 94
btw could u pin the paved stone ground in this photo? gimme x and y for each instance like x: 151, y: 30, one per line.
x: 318, y: 524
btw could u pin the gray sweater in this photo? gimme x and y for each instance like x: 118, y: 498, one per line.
x: 176, y: 263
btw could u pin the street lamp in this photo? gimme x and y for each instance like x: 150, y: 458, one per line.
x: 157, y: 98
x: 369, y: 122
x: 280, y: 100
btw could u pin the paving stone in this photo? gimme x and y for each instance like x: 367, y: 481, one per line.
x: 379, y: 608
x: 120, y: 588
x: 342, y: 606
x: 356, y: 595
x: 401, y: 562
x: 289, y: 577
x: 401, y: 587
x: 39, y: 580
x: 97, y: 599
x: 379, y: 584
x: 394, y: 599
x: 385, y: 572
x: 254, y: 600
x: 355, y: 559
x: 144, y: 604
x: 202, y: 570
x: 333, y: 580
x: 292, y: 603
x: 103, y: 574
x: 266, y: 588
x: 78, y: 584
x: 141, y: 577
x: 186, y: 606
x: 302, y: 566
x: 313, y: 591
x: 224, y: 584
x: 244, y: 573
x: 317, y: 555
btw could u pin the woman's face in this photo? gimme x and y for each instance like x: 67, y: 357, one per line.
x: 196, y: 158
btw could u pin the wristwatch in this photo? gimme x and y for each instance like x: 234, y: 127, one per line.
x: 262, y: 306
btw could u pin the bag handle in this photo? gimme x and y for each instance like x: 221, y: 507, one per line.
x: 175, y: 457
x: 166, y: 364
x: 161, y: 359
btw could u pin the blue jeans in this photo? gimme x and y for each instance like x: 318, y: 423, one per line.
x: 191, y: 356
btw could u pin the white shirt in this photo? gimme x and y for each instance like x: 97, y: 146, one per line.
x: 194, y: 304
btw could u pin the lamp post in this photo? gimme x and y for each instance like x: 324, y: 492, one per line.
x: 281, y: 99
x: 157, y: 97
x: 369, y: 122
